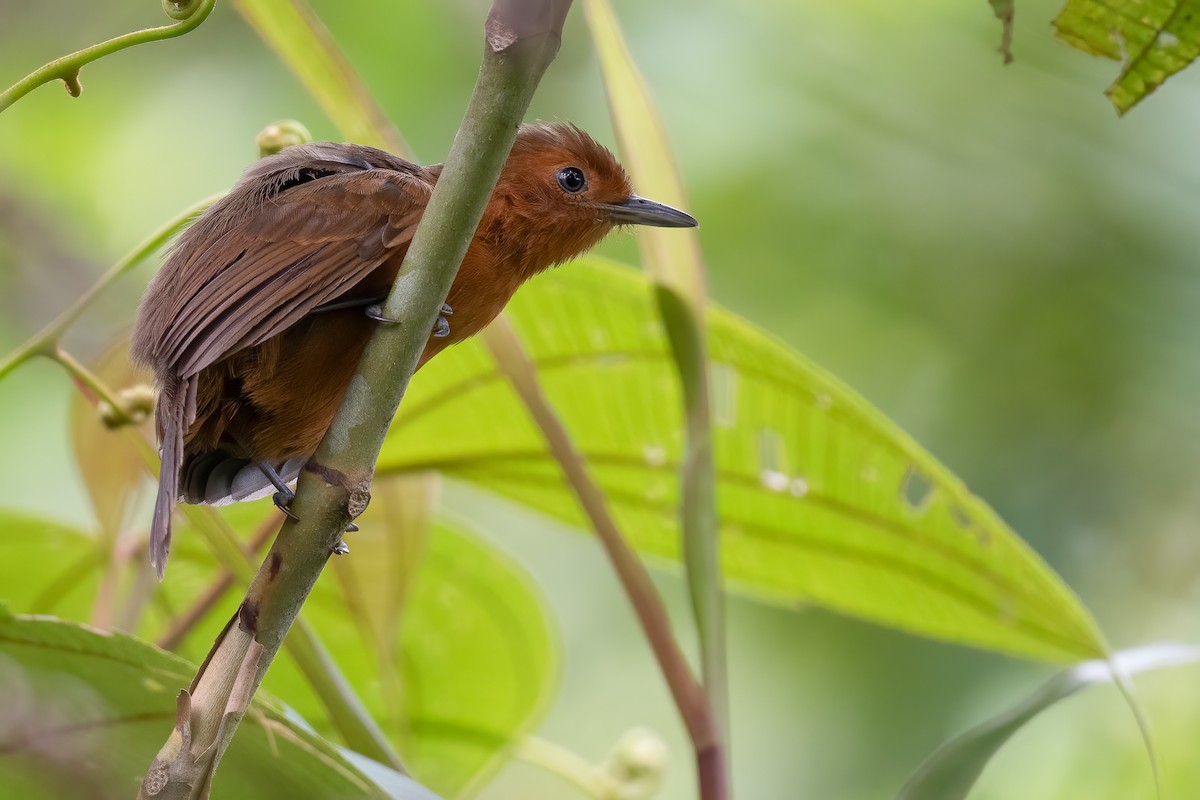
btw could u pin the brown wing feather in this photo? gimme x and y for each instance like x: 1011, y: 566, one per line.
x: 298, y: 230
x: 311, y: 244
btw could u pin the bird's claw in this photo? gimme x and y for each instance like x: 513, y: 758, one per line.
x: 283, y: 501
x: 340, y: 549
x: 375, y: 312
x: 442, y: 328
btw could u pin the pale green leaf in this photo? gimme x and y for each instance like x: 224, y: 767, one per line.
x: 952, y: 771
x: 1153, y: 39
x: 112, y: 473
x: 466, y: 672
x: 304, y: 44
x: 821, y: 498
x: 453, y: 653
x: 84, y: 713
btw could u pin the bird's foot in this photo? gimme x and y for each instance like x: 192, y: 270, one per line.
x: 441, y: 328
x: 375, y: 312
x: 283, y: 501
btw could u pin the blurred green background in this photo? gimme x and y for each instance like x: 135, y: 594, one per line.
x: 988, y: 254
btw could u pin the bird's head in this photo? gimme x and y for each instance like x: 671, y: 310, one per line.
x: 568, y: 191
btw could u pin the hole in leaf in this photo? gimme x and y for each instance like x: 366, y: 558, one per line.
x: 655, y: 455
x: 916, y: 490
x: 960, y: 517
x: 770, y: 461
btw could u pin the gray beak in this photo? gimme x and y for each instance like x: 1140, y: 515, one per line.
x: 640, y: 211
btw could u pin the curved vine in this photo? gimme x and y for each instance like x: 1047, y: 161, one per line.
x: 187, y: 13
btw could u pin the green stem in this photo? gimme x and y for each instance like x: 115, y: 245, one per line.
x: 688, y: 694
x: 45, y: 342
x: 567, y: 765
x: 676, y: 267
x: 87, y: 378
x: 334, y: 486
x: 190, y: 14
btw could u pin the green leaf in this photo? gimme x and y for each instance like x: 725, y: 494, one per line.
x: 304, y: 44
x: 465, y: 673
x: 821, y: 498
x: 84, y: 713
x: 951, y: 772
x: 478, y: 657
x: 1153, y: 39
x: 68, y: 562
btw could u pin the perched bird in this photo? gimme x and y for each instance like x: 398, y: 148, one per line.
x: 255, y: 324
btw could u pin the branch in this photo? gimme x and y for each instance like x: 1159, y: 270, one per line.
x: 687, y: 692
x: 190, y: 14
x: 522, y: 39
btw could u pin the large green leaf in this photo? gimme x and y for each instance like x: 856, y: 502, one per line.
x: 451, y: 650
x: 463, y: 672
x: 1153, y: 39
x: 84, y: 712
x: 821, y: 498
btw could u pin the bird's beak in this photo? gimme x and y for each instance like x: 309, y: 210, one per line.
x: 640, y: 211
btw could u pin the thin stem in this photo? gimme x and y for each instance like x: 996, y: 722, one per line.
x: 675, y: 264
x: 689, y: 696
x: 567, y: 765
x: 190, y: 13
x: 45, y: 342
x: 86, y: 378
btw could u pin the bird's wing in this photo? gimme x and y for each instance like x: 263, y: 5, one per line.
x: 243, y: 283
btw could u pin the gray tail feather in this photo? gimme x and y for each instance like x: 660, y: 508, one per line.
x: 218, y: 478
x: 171, y: 420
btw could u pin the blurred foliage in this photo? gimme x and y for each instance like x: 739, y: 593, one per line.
x: 81, y: 708
x: 984, y: 253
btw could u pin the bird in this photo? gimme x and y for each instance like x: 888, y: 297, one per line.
x: 254, y: 325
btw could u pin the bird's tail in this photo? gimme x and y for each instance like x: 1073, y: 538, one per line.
x: 176, y: 408
x: 218, y: 478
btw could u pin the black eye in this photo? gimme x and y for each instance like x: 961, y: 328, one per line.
x: 571, y: 179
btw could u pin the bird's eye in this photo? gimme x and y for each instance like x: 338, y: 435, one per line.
x: 571, y: 179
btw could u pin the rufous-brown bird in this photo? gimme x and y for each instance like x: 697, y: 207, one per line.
x: 256, y: 322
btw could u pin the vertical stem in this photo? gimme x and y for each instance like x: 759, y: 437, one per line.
x: 522, y: 37
x: 689, y: 695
